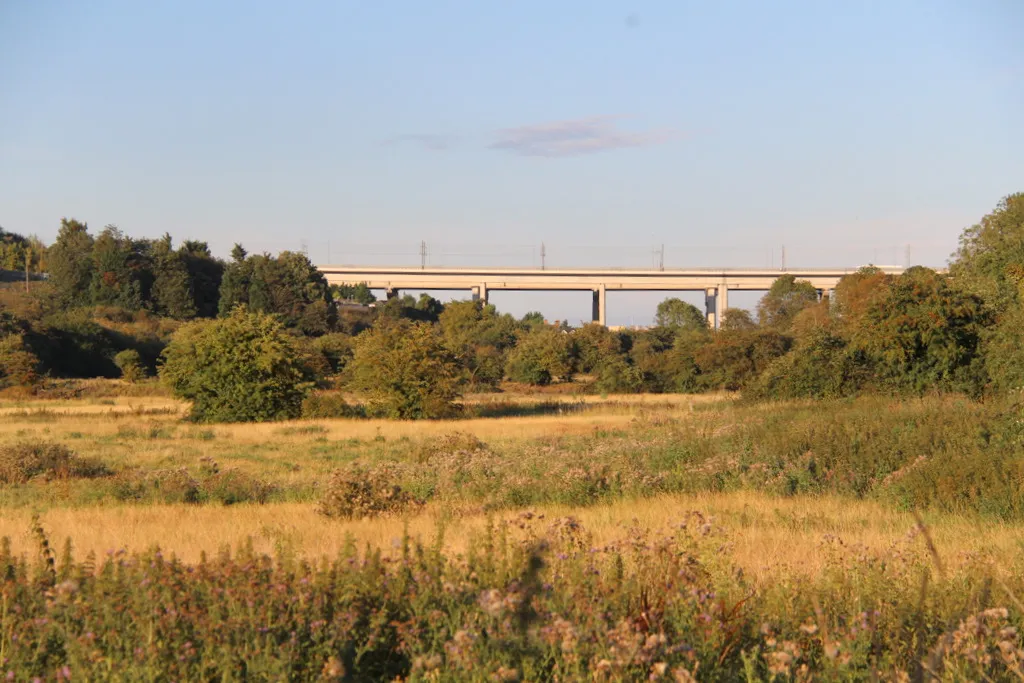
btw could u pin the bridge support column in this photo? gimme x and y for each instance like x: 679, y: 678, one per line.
x: 598, y: 311
x: 390, y: 293
x: 711, y: 306
x: 480, y: 293
x: 721, y: 303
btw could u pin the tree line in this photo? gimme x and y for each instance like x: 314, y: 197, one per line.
x: 912, y: 333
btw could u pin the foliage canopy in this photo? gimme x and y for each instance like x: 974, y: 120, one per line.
x: 241, y: 368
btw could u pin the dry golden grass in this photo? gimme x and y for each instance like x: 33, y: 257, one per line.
x: 771, y: 539
x: 87, y: 417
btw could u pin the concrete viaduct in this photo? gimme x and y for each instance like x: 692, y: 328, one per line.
x: 715, y: 283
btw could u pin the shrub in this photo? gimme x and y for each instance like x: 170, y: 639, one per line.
x: 454, y: 442
x: 822, y: 366
x: 19, y: 367
x: 242, y: 368
x: 232, y: 486
x: 922, y: 334
x: 406, y: 371
x: 541, y: 355
x: 596, y: 344
x: 70, y: 344
x: 359, y: 492
x: 164, y: 486
x: 336, y: 349
x: 22, y: 462
x: 616, y: 376
x: 130, y: 363
x: 1004, y: 351
x: 321, y: 405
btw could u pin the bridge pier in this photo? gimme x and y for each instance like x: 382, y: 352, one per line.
x: 711, y: 305
x: 721, y: 303
x: 390, y: 293
x: 480, y: 293
x: 598, y: 309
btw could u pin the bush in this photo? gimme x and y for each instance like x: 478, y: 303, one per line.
x: 70, y: 344
x: 406, y: 371
x: 359, y: 492
x: 616, y: 376
x: 541, y: 355
x: 455, y: 442
x: 321, y: 405
x: 19, y: 367
x: 232, y: 486
x: 242, y: 368
x: 21, y: 462
x: 164, y: 486
x: 130, y: 363
x: 336, y: 348
x: 822, y: 366
x: 1004, y: 351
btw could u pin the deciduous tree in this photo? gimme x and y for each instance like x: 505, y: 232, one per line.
x: 241, y: 368
x: 406, y: 371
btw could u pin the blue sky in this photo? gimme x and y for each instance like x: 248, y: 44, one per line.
x: 603, y: 129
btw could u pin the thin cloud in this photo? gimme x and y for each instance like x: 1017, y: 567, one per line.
x: 435, y: 143
x: 573, y: 138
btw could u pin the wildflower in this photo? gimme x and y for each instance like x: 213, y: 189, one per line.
x: 657, y: 671
x: 809, y: 628
x: 66, y: 589
x: 779, y: 663
x: 492, y: 602
x: 427, y: 663
x: 683, y: 675
x: 333, y: 669
x: 505, y: 675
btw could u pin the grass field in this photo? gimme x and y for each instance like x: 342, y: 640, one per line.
x: 857, y: 540
x: 769, y: 537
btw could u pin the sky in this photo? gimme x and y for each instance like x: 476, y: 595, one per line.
x: 714, y: 133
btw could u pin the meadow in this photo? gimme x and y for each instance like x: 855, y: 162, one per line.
x: 541, y: 537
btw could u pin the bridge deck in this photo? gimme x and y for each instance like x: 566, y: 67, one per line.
x: 715, y: 282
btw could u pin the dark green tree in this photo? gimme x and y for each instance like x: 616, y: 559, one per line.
x: 70, y: 263
x: 241, y: 368
x: 648, y: 354
x: 923, y: 334
x: 288, y: 285
x: 677, y: 314
x: 734, y: 358
x: 479, y: 337
x: 596, y: 345
x: 541, y: 355
x: 172, y: 284
x: 205, y: 274
x: 821, y: 365
x: 120, y: 271
x: 236, y: 281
